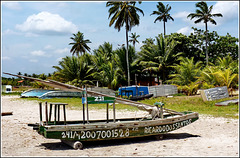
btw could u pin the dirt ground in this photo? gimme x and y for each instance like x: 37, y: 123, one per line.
x: 207, y: 136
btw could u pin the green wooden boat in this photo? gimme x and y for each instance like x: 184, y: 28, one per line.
x: 159, y: 120
x: 122, y: 128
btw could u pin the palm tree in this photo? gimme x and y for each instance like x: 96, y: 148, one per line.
x: 163, y: 14
x: 134, y: 39
x: 74, y: 70
x: 186, y: 71
x: 121, y: 60
x: 226, y: 78
x: 204, y: 14
x: 105, y: 63
x: 105, y: 51
x: 124, y: 13
x: 158, y: 57
x: 101, y: 56
x: 79, y: 44
x: 110, y: 74
x: 227, y: 62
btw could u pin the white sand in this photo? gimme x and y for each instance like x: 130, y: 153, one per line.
x: 207, y: 136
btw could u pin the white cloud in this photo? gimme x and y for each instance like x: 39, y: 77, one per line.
x: 6, y: 58
x: 183, y: 15
x: 64, y: 50
x: 48, y: 24
x: 48, y: 47
x: 185, y: 30
x: 10, y: 32
x: 30, y: 34
x: 229, y: 10
x: 38, y: 53
x: 12, y: 5
x: 33, y: 60
x: 59, y: 59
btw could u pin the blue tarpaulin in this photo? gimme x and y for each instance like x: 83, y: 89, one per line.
x: 133, y: 90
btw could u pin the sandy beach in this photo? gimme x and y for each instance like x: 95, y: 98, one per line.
x: 207, y: 136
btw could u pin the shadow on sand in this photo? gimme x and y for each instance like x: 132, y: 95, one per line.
x: 117, y: 142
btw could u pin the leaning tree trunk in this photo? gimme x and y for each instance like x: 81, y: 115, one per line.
x: 206, y: 44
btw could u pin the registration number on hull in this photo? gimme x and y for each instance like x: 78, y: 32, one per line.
x: 101, y: 134
x: 123, y: 132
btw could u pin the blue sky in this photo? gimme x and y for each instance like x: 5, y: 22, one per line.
x: 36, y: 35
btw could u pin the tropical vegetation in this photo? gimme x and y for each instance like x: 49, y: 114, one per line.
x: 204, y: 15
x: 163, y: 14
x: 167, y: 58
x: 124, y: 13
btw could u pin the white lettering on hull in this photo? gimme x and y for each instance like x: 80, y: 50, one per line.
x: 166, y: 128
x: 114, y: 133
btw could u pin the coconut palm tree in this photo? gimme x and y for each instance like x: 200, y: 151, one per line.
x: 158, y: 57
x: 203, y: 14
x: 133, y: 39
x: 121, y: 60
x: 74, y: 70
x: 110, y: 74
x: 105, y: 63
x: 102, y: 55
x: 186, y: 71
x: 124, y: 13
x: 163, y: 14
x: 227, y: 62
x: 79, y: 44
x: 226, y: 78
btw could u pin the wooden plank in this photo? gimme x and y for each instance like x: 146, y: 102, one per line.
x: 6, y: 113
x: 64, y: 114
x: 50, y: 112
x: 40, y: 111
x: 46, y: 112
x: 114, y: 113
x: 107, y: 113
x: 100, y: 100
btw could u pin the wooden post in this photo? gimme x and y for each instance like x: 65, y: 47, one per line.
x: 64, y: 113
x: 55, y: 114
x: 107, y: 113
x: 46, y: 112
x: 83, y: 114
x: 114, y: 114
x: 40, y: 111
x: 87, y: 106
x: 50, y: 112
x: 58, y: 106
x: 161, y: 111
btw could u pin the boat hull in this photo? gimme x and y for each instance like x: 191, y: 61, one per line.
x: 123, y: 129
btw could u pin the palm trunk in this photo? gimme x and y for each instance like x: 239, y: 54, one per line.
x: 128, y: 73
x: 164, y: 28
x: 150, y: 80
x: 206, y: 45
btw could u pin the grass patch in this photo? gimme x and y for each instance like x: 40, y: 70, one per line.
x: 196, y: 104
x: 12, y: 93
x: 177, y: 103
